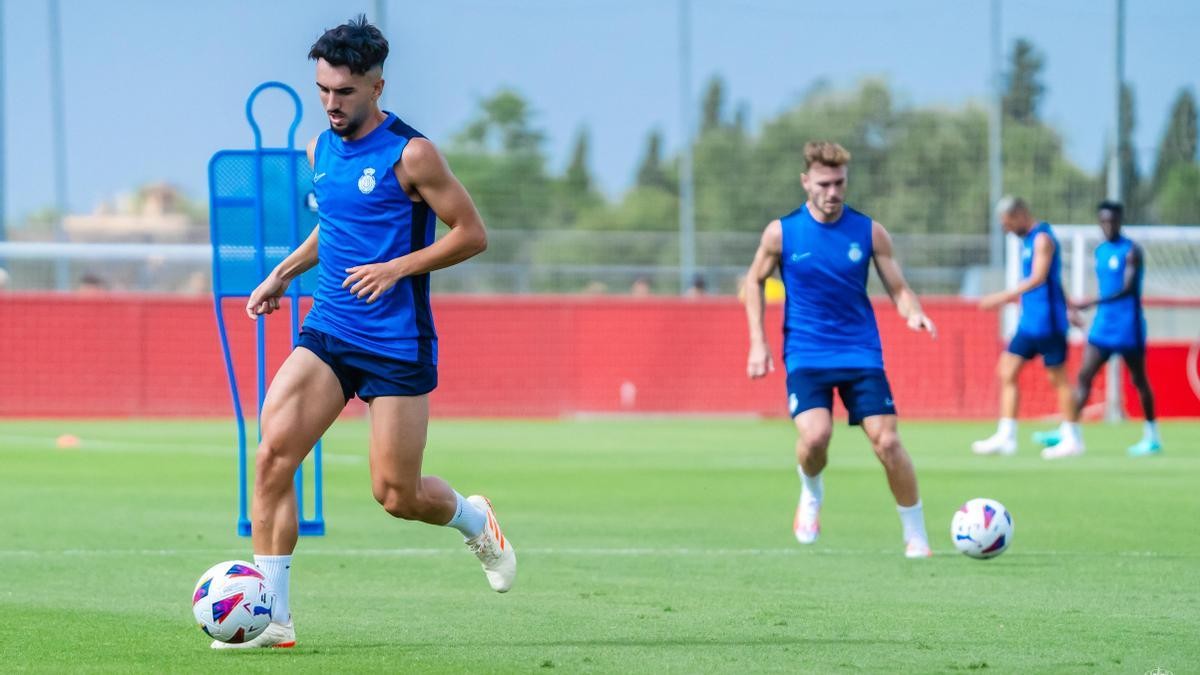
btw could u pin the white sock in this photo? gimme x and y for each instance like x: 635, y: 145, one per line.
x: 278, y: 569
x: 467, y: 519
x: 1150, y: 431
x: 1071, y: 430
x: 913, y: 522
x: 813, y: 485
x: 1007, y: 429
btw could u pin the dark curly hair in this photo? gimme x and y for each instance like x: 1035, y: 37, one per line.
x: 355, y: 44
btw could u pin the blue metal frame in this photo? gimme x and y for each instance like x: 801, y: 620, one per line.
x: 314, y: 526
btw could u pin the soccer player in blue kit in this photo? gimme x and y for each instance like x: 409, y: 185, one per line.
x: 1119, y: 326
x: 380, y: 188
x: 824, y: 251
x: 1042, y: 330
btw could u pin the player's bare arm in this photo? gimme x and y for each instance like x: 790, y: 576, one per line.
x: 426, y: 176
x: 766, y: 261
x: 265, y: 298
x: 1133, y: 263
x: 1043, y: 255
x: 906, y: 301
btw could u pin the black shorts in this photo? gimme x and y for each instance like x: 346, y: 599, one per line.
x: 864, y: 391
x: 368, y: 374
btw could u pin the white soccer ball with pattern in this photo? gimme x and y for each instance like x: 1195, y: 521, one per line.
x: 982, y: 528
x: 231, y: 601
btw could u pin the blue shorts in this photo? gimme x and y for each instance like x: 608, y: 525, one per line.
x: 1053, y: 348
x: 864, y: 391
x: 366, y: 373
x: 1125, y: 351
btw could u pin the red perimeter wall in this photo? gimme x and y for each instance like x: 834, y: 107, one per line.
x: 124, y: 355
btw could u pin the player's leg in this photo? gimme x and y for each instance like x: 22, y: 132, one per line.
x: 902, y: 479
x: 304, y: 399
x: 1094, y: 359
x: 1150, y: 444
x: 810, y: 401
x: 1008, y: 369
x: 398, y: 433
x: 814, y: 429
x: 1070, y: 444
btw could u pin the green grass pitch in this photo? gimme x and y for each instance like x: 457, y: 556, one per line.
x: 644, y: 545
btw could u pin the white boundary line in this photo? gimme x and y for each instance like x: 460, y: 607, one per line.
x: 564, y: 551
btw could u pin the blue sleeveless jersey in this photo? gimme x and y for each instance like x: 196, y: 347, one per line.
x: 828, y: 319
x: 366, y: 217
x: 1119, y: 324
x: 1043, y: 309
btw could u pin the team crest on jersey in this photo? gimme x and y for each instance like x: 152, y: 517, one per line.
x: 1113, y: 263
x: 855, y: 252
x: 366, y: 182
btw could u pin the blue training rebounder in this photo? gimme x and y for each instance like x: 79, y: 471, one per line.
x: 261, y: 209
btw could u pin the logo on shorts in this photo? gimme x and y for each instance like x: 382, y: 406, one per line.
x: 855, y: 253
x: 1113, y: 263
x: 366, y: 182
x: 888, y: 402
x: 793, y: 403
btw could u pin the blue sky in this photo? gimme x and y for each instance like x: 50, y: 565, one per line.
x: 154, y: 87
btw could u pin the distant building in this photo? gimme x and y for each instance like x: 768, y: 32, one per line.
x: 154, y: 214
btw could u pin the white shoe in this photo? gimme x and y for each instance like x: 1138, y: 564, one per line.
x: 1066, y: 448
x: 493, y: 550
x: 995, y: 445
x: 917, y: 548
x: 276, y: 635
x: 807, y: 523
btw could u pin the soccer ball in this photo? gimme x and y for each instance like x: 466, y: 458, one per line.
x: 982, y: 528
x: 231, y: 601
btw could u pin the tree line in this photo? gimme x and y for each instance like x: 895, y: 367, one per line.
x: 919, y: 169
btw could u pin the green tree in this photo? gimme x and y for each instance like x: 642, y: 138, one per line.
x: 578, y: 179
x: 1132, y: 191
x: 1178, y: 145
x: 651, y: 172
x: 499, y: 157
x: 1178, y: 201
x: 1024, y: 92
x: 863, y: 120
x: 712, y: 108
x: 503, y: 125
x: 574, y: 193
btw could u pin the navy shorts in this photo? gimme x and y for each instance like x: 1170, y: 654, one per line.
x: 366, y: 373
x: 1053, y: 348
x: 1125, y: 351
x: 864, y: 391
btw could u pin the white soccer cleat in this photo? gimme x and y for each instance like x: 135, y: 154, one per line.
x: 917, y: 548
x: 1065, y: 448
x: 276, y: 635
x: 807, y: 523
x: 495, y: 553
x: 995, y: 445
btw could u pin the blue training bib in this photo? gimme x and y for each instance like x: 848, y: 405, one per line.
x: 1043, y: 309
x: 1119, y: 324
x: 366, y: 217
x: 828, y: 320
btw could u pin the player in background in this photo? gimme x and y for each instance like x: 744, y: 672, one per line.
x: 1119, y: 326
x: 1042, y: 330
x: 824, y: 251
x: 380, y: 187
